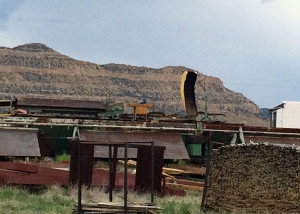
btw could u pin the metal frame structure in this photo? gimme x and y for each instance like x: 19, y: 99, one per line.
x: 126, y: 146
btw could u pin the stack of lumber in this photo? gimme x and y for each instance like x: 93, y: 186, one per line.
x: 172, y: 182
x: 112, y: 207
x: 168, y: 171
x: 183, y: 184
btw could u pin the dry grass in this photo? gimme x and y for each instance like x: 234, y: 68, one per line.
x: 96, y: 194
x: 20, y: 200
x: 56, y: 199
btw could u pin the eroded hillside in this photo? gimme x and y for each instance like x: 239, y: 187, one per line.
x: 35, y: 69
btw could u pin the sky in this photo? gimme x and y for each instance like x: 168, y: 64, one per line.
x: 253, y: 46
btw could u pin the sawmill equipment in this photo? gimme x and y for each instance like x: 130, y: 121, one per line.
x: 140, y: 110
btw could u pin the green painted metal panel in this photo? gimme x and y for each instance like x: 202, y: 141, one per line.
x: 194, y: 149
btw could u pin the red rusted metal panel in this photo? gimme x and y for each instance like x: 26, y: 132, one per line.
x: 19, y: 167
x: 143, y: 177
x: 86, y: 161
x: 19, y: 173
x: 175, y: 147
x: 34, y: 179
x: 19, y: 142
x: 100, y: 178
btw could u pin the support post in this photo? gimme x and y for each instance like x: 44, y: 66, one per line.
x: 207, y: 169
x: 152, y: 172
x: 110, y: 174
x: 114, y: 167
x: 79, y: 208
x: 125, y: 178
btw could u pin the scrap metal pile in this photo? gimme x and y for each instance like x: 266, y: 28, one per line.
x: 95, y: 129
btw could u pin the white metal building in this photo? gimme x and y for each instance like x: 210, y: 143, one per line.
x: 286, y: 115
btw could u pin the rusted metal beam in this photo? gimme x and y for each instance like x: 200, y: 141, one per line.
x: 248, y: 129
x: 60, y: 103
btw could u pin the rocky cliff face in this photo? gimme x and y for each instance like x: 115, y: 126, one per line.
x: 35, y: 69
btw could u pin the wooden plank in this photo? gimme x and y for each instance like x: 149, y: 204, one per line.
x: 184, y: 187
x: 169, y: 171
x: 185, y: 182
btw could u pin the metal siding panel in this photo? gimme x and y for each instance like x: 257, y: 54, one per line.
x: 292, y: 115
x: 16, y: 142
x: 175, y: 147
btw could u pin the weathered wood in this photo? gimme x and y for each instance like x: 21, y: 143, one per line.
x: 184, y: 187
x: 112, y: 207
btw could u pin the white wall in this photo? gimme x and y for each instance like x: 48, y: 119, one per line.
x: 289, y: 115
x: 279, y: 121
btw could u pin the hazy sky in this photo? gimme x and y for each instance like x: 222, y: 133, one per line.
x: 252, y: 45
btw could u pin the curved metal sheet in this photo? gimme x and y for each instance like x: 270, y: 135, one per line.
x: 187, y: 91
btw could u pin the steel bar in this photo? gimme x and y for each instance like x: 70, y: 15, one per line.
x: 110, y: 174
x: 207, y: 168
x: 152, y: 172
x: 125, y: 179
x: 164, y: 186
x: 79, y: 208
x: 18, y: 128
x: 251, y: 132
x: 114, y: 167
x: 104, y: 126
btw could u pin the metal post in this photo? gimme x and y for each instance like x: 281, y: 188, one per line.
x: 207, y: 169
x: 152, y: 172
x: 164, y: 186
x: 79, y: 208
x: 125, y: 178
x: 110, y: 175
x: 114, y: 167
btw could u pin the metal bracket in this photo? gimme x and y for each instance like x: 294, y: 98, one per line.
x: 76, y: 132
x: 199, y: 127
